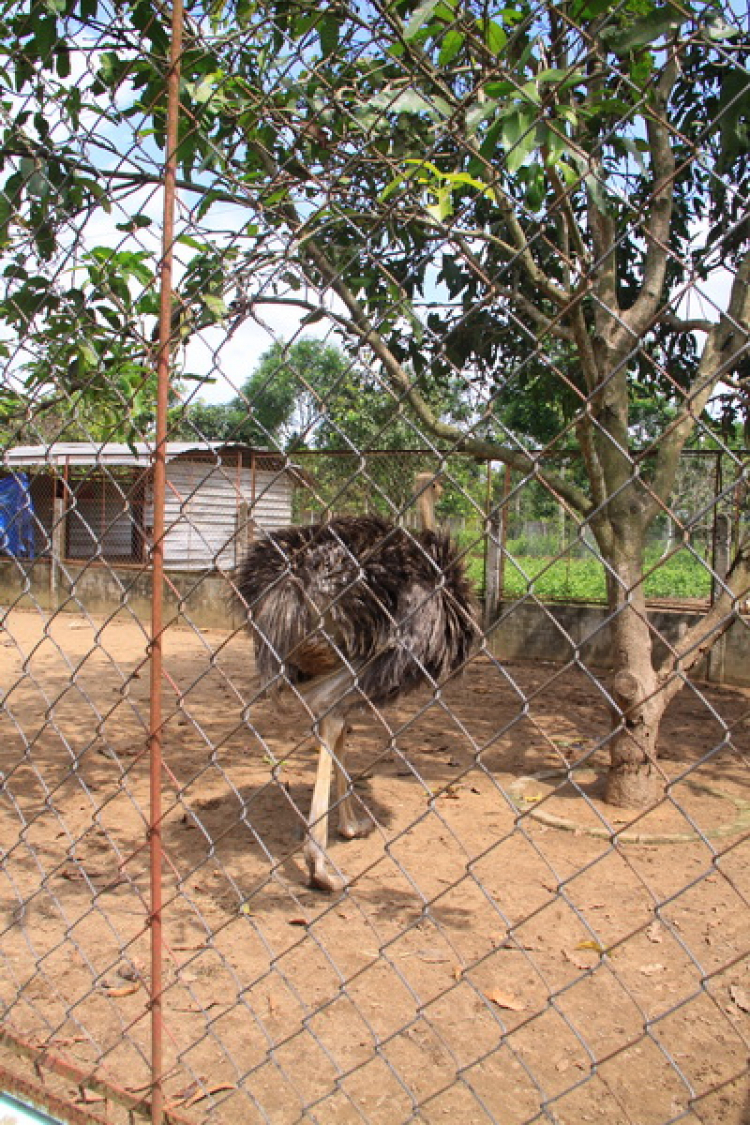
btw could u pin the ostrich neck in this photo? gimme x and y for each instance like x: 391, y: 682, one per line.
x: 426, y: 509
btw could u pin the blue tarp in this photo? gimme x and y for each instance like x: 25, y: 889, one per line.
x: 16, y: 517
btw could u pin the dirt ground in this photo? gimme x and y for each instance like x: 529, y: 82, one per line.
x: 485, y: 964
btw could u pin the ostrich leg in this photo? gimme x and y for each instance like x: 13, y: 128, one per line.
x: 330, y: 731
x: 354, y: 821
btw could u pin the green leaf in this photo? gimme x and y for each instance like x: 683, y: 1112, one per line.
x: 530, y: 93
x: 478, y: 113
x: 420, y: 17
x: 430, y: 170
x: 87, y: 354
x: 215, y: 305
x: 518, y: 138
x: 328, y: 32
x: 589, y: 9
x: 193, y: 243
x: 494, y: 36
x: 717, y: 28
x: 561, y: 79
x: 443, y: 208
x: 37, y: 185
x: 62, y: 61
x: 137, y: 222
x: 499, y: 90
x: 205, y: 90
x: 410, y: 101
x: 109, y: 65
x: 451, y: 45
x: 490, y: 143
x: 598, y: 192
x: 390, y: 188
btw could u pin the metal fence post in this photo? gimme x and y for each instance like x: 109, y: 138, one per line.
x: 157, y: 560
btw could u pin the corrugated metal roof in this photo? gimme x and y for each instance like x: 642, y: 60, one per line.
x: 115, y: 453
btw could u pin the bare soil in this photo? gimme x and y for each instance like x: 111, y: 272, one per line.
x: 501, y: 954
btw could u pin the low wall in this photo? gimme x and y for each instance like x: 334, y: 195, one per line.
x: 204, y: 598
x: 523, y: 630
x: 560, y: 633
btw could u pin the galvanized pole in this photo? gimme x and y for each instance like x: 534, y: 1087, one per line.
x: 157, y: 561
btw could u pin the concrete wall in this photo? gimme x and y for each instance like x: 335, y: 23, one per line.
x: 203, y: 597
x: 560, y: 633
x: 523, y: 630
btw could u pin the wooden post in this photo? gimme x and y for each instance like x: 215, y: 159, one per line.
x: 722, y: 543
x: 57, y: 544
x: 244, y: 532
x: 496, y: 532
x: 721, y: 553
x: 492, y: 568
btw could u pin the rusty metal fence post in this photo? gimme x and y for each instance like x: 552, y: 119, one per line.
x: 164, y: 366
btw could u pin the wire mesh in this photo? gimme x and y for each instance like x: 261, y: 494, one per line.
x: 501, y: 250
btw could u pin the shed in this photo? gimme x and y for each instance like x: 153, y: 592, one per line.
x: 95, y: 501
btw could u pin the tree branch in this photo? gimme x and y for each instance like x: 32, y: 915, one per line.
x: 702, y: 636
x: 725, y: 344
x: 656, y: 229
x: 676, y: 324
x: 545, y: 324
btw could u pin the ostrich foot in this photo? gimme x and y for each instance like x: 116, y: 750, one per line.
x: 353, y: 827
x: 321, y: 876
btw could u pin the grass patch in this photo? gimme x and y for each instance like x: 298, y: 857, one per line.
x: 682, y: 575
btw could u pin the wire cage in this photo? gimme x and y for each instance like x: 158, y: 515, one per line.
x: 348, y: 351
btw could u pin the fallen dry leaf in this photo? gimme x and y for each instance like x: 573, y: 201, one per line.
x: 505, y: 1000
x: 597, y: 948
x: 740, y: 997
x: 654, y: 932
x: 432, y: 956
x: 579, y: 962
x: 66, y: 1040
x: 208, y: 1092
x: 122, y: 990
x: 651, y: 970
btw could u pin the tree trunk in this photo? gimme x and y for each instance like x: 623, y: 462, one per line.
x: 634, y: 780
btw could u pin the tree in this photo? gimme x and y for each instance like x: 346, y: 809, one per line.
x: 513, y: 198
x: 284, y: 403
x: 305, y: 395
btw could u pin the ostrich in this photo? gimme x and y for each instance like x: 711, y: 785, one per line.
x: 354, y: 612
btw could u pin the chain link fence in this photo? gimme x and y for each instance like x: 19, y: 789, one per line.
x: 271, y: 265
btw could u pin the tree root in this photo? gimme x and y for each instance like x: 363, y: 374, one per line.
x: 529, y: 808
